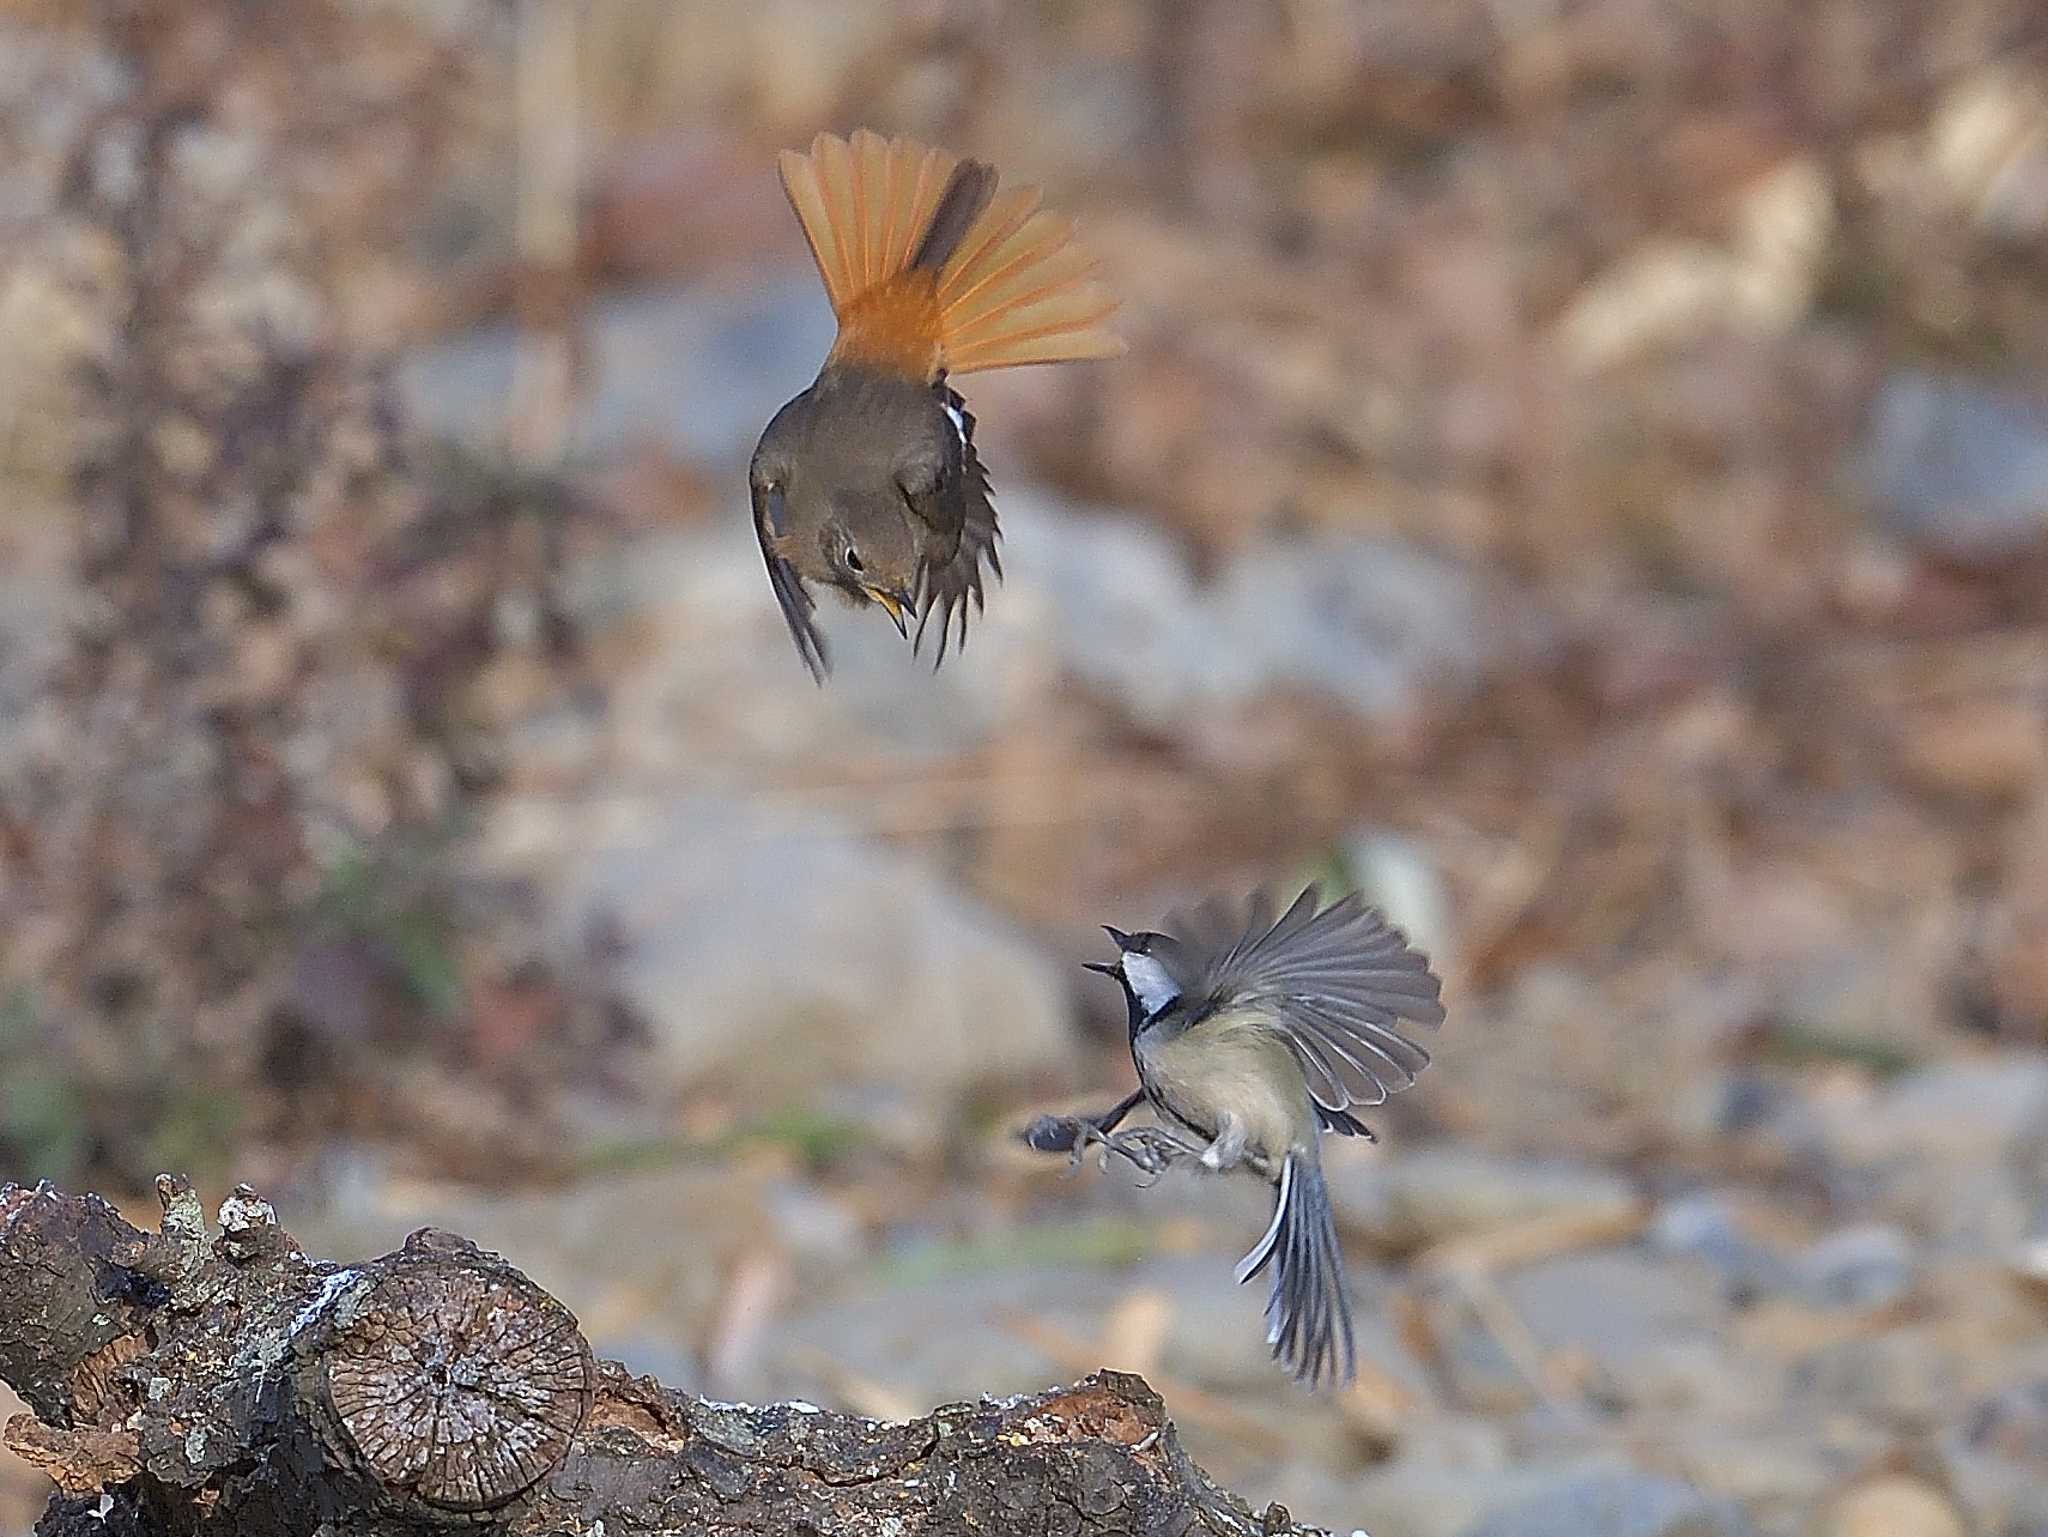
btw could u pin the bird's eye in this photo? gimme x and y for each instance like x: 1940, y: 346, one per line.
x: 853, y: 560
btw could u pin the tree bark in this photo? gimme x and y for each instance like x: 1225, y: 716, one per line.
x: 192, y: 1387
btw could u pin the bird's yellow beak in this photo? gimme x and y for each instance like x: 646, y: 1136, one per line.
x: 894, y: 607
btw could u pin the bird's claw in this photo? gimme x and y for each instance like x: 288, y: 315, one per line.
x: 1151, y: 1150
x: 1069, y: 1134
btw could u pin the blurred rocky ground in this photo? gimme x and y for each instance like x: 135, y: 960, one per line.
x: 1581, y: 473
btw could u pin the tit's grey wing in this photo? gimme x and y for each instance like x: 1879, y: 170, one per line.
x: 1336, y: 983
x: 960, y: 517
x: 790, y: 593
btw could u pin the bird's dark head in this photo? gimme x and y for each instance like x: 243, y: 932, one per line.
x: 1149, y: 988
x: 835, y: 475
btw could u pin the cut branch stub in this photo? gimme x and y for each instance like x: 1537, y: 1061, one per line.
x: 67, y: 1294
x: 453, y: 1380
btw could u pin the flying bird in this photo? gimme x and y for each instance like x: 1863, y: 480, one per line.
x: 868, y: 482
x: 1255, y: 1034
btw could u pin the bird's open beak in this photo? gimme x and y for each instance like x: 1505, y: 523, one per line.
x: 1107, y: 968
x: 895, y: 607
x: 1123, y: 940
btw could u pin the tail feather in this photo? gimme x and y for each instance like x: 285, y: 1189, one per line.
x: 967, y: 195
x: 1019, y: 291
x: 992, y: 242
x: 931, y: 271
x: 1308, y: 1310
x: 1261, y: 1252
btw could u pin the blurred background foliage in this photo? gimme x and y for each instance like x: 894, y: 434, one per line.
x: 1581, y: 473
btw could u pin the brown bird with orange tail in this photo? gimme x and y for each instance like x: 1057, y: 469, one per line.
x: 868, y: 481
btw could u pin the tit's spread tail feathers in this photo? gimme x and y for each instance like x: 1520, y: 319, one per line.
x: 1337, y: 983
x: 1308, y: 1310
x: 930, y: 272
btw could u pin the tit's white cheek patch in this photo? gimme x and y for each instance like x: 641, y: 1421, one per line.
x: 1149, y: 980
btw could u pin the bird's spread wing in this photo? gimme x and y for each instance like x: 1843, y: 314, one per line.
x: 952, y: 575
x: 795, y: 599
x: 1337, y: 984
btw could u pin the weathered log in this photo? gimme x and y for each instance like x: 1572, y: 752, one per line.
x: 183, y: 1387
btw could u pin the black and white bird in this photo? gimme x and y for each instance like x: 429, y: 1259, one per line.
x: 1256, y: 1034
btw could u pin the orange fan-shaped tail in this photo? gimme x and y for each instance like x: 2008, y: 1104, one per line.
x: 929, y: 271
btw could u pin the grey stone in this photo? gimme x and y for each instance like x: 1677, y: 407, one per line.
x: 818, y: 1228
x: 1956, y: 466
x: 1655, y: 1334
x: 2002, y: 1498
x: 1956, y: 1209
x: 1426, y: 1195
x: 1703, y: 1228
x: 1774, y: 1469
x: 1614, y: 1504
x: 716, y: 666
x: 1905, y: 1372
x: 2027, y: 1160
x: 1639, y: 1333
x: 1089, y: 595
x: 1950, y: 1152
x: 938, y: 1332
x: 1969, y: 1113
x: 1217, y: 1334
x: 2012, y: 1425
x: 925, y: 1344
x: 1477, y: 1364
x: 1998, y: 1457
x: 805, y: 963
x: 657, y: 1293
x: 1763, y: 1113
x: 1373, y: 624
x: 1436, y: 1486
x: 1111, y: 603
x: 699, y: 368
x: 1861, y: 1267
x: 1878, y: 997
x: 1965, y: 1106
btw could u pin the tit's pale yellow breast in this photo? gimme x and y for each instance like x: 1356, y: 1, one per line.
x: 1234, y: 1061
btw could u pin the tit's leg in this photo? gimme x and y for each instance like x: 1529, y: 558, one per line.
x: 1151, y: 1149
x: 1074, y: 1133
x: 1227, y: 1151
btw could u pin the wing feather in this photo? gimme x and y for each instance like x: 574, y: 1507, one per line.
x: 1338, y: 982
x: 793, y: 597
x: 951, y: 581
